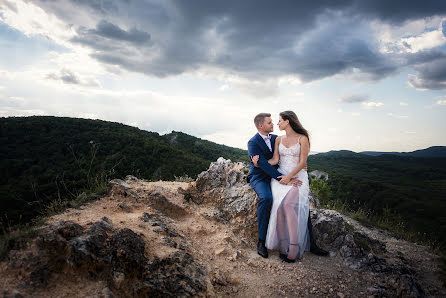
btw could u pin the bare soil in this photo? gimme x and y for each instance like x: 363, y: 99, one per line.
x: 234, y: 266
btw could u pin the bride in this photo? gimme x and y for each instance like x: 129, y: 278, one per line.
x: 287, y: 228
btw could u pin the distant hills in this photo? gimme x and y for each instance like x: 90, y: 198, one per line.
x: 434, y: 151
x: 207, y: 150
x: 431, y: 152
x: 43, y: 159
x: 402, y: 192
x: 48, y: 161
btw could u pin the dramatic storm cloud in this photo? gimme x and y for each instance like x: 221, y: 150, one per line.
x: 207, y: 67
x: 251, y: 39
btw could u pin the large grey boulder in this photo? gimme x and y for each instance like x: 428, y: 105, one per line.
x: 316, y: 174
x: 224, y: 188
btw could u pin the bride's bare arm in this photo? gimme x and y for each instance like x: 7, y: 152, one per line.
x: 275, y: 160
x: 304, y: 151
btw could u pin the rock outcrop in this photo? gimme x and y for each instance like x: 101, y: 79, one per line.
x: 165, y: 239
x: 231, y: 200
x: 116, y: 256
x: 316, y: 174
x: 223, y: 187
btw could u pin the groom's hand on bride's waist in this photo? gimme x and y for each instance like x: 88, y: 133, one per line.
x: 295, y: 182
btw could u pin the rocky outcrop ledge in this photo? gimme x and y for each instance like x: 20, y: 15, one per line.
x: 165, y: 239
x: 223, y: 186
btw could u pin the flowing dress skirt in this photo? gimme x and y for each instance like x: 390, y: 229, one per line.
x: 289, y: 216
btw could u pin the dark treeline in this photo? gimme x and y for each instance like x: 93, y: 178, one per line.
x: 408, y: 194
x: 43, y: 159
x: 47, y: 159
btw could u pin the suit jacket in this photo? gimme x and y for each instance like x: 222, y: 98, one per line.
x: 257, y: 146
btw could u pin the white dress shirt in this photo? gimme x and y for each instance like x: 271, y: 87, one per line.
x: 267, y: 140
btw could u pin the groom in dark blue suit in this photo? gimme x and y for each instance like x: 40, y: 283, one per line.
x: 262, y: 144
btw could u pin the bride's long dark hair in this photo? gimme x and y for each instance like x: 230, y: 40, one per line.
x: 295, y: 123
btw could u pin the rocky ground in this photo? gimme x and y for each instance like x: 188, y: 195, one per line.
x: 163, y: 239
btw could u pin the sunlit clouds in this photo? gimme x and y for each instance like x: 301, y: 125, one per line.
x: 348, y: 69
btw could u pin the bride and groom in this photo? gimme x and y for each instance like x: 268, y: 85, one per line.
x: 283, y: 215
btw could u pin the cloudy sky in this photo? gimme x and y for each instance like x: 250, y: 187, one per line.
x: 361, y: 75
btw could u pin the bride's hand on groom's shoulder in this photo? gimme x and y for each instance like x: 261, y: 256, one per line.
x: 255, y: 160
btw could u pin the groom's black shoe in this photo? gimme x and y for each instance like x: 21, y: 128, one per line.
x: 317, y: 250
x: 261, y: 248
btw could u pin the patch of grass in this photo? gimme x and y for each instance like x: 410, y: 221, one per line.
x: 184, y: 178
x: 443, y: 270
x: 388, y: 221
x: 361, y: 241
x: 15, y: 238
x: 350, y: 228
x: 56, y: 206
x: 360, y: 215
x: 95, y: 191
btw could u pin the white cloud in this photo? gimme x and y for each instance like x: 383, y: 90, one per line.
x: 109, y: 92
x: 88, y: 116
x: 353, y: 98
x: 223, y: 87
x: 290, y: 79
x: 69, y: 77
x: 397, y: 116
x: 257, y: 88
x: 77, y: 61
x: 371, y: 105
x: 411, y: 36
x: 403, y: 104
x: 427, y: 40
x: 22, y: 113
x: 32, y: 20
x: 18, y: 98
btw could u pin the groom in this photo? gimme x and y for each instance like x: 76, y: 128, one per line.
x: 262, y: 144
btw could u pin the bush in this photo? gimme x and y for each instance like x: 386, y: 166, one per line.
x: 321, y: 190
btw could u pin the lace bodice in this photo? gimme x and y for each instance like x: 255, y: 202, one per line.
x: 289, y: 158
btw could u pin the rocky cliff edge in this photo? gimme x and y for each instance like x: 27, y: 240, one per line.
x: 165, y: 239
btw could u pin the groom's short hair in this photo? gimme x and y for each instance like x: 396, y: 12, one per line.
x: 260, y: 118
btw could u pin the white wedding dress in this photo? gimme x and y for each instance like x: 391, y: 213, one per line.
x: 289, y: 213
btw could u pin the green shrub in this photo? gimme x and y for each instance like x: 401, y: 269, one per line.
x: 321, y: 190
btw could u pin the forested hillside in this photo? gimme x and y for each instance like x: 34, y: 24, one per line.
x: 51, y: 158
x: 48, y: 161
x: 204, y: 149
x: 405, y: 194
x: 434, y: 151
